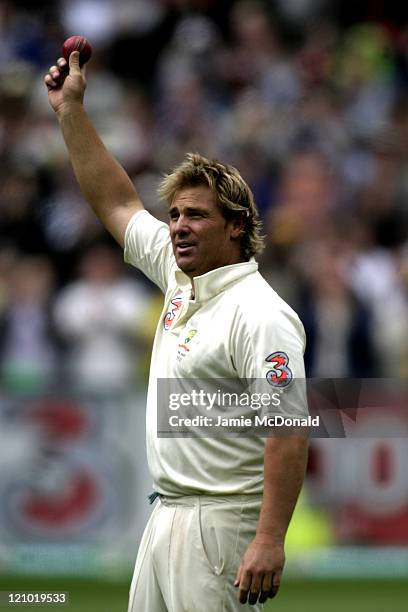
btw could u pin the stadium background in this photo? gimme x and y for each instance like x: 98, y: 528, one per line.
x: 309, y: 99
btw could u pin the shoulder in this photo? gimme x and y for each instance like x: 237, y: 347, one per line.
x: 148, y: 247
x: 260, y: 310
x: 143, y: 234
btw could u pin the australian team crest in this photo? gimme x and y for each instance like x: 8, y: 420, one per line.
x: 183, y: 348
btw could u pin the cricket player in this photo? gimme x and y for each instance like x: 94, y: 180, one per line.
x: 215, y: 539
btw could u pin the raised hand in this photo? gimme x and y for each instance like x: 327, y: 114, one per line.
x: 66, y: 86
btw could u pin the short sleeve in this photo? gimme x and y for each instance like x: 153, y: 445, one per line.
x: 148, y: 248
x: 268, y: 353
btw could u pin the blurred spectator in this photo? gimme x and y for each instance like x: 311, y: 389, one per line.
x: 365, y: 73
x: 303, y: 210
x: 374, y: 277
x: 337, y: 323
x: 20, y: 211
x: 306, y: 197
x: 99, y: 316
x: 28, y: 345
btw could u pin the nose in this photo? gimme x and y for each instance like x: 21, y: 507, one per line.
x: 181, y: 225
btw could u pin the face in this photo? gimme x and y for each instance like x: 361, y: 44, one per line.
x: 202, y: 238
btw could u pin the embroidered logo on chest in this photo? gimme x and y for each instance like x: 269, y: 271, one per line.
x: 170, y: 316
x: 183, y: 348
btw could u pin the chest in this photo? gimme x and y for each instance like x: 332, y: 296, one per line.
x: 195, y: 339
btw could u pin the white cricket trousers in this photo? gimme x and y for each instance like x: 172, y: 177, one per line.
x: 190, y: 553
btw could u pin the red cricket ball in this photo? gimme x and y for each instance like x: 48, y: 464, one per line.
x: 77, y: 43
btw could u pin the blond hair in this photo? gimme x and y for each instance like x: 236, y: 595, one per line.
x: 234, y: 197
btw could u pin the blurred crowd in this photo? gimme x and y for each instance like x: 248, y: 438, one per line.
x: 309, y: 99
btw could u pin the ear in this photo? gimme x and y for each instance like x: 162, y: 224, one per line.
x: 237, y: 226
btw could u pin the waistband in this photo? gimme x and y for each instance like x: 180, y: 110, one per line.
x: 207, y: 500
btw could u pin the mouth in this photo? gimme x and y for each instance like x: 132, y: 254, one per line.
x: 184, y: 248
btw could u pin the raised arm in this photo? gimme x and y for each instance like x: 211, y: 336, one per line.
x: 103, y: 181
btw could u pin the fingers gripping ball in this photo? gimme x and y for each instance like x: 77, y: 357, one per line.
x: 77, y: 43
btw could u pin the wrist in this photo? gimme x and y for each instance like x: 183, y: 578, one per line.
x: 270, y: 538
x: 68, y: 109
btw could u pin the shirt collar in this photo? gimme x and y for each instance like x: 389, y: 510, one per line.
x: 213, y: 282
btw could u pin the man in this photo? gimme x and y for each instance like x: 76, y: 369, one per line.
x: 225, y: 503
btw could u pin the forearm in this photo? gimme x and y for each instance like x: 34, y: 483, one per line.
x: 102, y: 180
x: 284, y: 471
x: 259, y: 573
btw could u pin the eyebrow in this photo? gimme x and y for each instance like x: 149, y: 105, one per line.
x: 190, y: 209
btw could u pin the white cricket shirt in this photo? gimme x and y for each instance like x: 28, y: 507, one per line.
x: 236, y: 327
